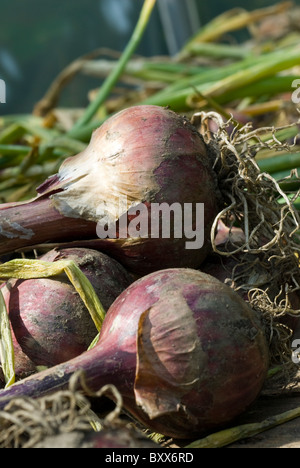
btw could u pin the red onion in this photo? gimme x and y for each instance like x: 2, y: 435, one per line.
x: 142, y: 156
x: 50, y: 324
x: 186, y: 353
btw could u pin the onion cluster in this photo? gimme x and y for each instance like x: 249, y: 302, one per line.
x: 185, y: 351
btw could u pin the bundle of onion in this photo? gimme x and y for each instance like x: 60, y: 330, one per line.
x: 50, y: 323
x: 147, y: 156
x: 139, y: 159
x: 186, y: 353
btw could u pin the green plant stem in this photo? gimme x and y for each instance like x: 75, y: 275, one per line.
x: 215, y: 74
x: 280, y: 163
x: 231, y: 435
x: 180, y: 100
x: 11, y: 133
x: 277, y: 63
x: 118, y: 70
x: 83, y: 133
x: 232, y: 81
x: 215, y: 50
x: 14, y: 150
x: 266, y: 87
x: 140, y: 69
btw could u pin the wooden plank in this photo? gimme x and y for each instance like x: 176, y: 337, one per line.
x: 275, y: 399
x: 286, y: 435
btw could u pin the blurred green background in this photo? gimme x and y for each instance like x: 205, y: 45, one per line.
x: 39, y: 38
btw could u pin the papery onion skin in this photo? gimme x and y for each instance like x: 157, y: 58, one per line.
x: 49, y: 321
x: 147, y: 154
x: 208, y: 362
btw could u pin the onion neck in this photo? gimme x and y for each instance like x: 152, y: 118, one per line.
x: 102, y: 365
x: 23, y: 225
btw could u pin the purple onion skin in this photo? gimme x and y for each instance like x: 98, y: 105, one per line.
x: 106, y: 275
x: 21, y: 229
x: 183, y: 392
x: 50, y: 323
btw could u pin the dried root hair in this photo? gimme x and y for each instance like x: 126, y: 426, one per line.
x: 268, y: 258
x: 26, y: 421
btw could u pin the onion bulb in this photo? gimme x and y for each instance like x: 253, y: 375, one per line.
x: 105, y: 197
x: 49, y: 322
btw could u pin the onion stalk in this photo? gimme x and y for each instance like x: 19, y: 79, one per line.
x: 232, y: 78
x: 244, y: 431
x: 117, y: 71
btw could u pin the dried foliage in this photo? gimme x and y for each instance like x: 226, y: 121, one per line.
x: 267, y: 267
x: 27, y: 421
